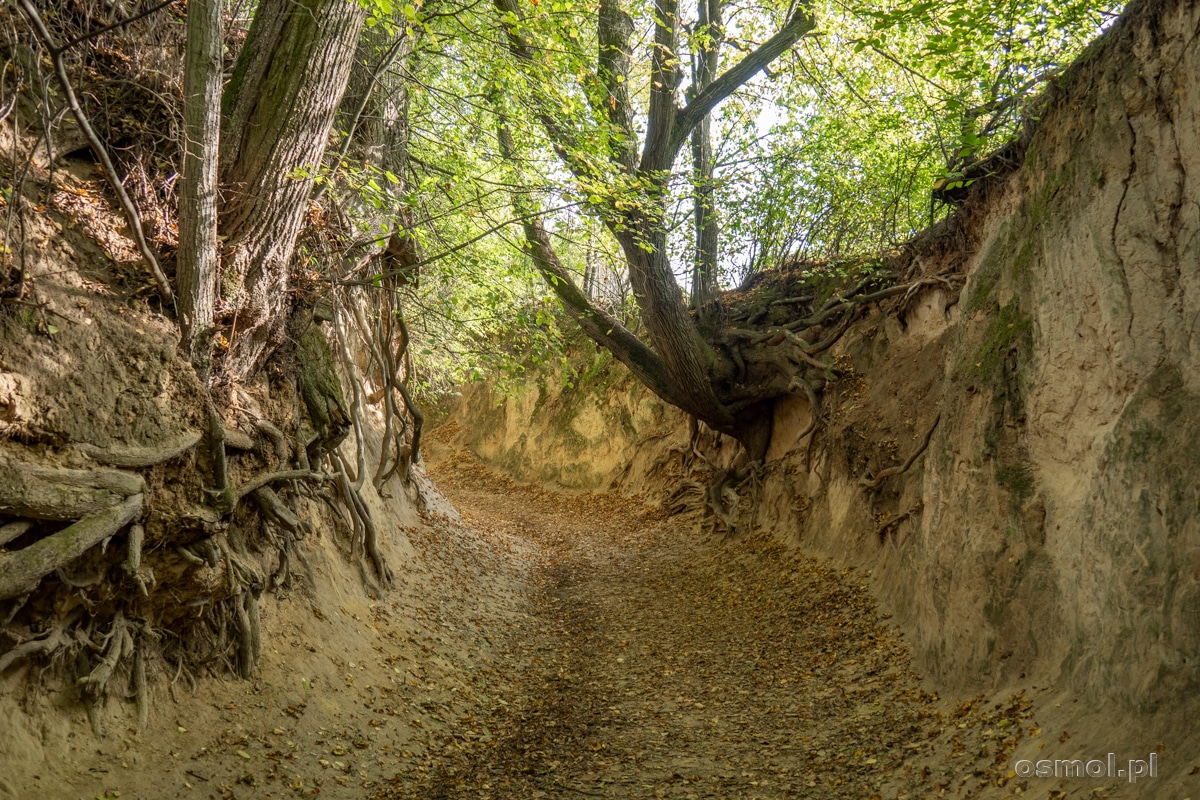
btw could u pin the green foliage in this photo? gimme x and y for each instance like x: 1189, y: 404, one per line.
x: 877, y: 107
x: 830, y: 154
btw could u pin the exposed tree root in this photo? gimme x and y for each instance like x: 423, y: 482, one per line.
x: 261, y: 481
x: 60, y: 494
x: 133, y: 560
x: 236, y: 440
x: 141, y: 457
x: 94, y: 685
x: 245, y: 607
x: 47, y: 644
x: 891, y: 523
x: 814, y: 404
x: 14, y: 530
x: 21, y: 571
x: 725, y: 493
x: 278, y: 512
x: 365, y: 539
x: 275, y: 436
x: 869, y: 482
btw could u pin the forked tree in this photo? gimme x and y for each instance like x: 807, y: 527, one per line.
x: 727, y: 381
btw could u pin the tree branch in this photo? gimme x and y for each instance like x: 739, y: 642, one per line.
x: 601, y: 327
x: 560, y: 137
x: 689, y: 117
x: 121, y: 23
x: 614, y: 32
x: 662, y: 116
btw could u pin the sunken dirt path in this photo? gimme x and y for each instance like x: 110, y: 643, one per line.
x: 660, y: 666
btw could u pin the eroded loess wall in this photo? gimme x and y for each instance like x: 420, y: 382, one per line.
x: 1049, y: 534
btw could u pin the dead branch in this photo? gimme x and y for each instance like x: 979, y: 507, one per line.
x: 872, y: 483
x: 121, y: 23
x: 21, y: 571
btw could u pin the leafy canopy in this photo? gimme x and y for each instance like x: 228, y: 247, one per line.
x: 831, y: 152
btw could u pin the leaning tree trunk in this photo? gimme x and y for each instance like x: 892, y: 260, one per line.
x: 197, y: 261
x: 279, y: 107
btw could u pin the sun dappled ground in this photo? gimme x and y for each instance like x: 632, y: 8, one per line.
x: 662, y: 666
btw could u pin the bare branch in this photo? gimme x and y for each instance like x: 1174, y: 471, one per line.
x: 121, y: 23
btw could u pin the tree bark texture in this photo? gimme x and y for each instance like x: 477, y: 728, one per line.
x: 197, y: 261
x: 704, y: 70
x: 279, y: 108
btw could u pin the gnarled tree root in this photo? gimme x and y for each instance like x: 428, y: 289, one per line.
x: 94, y: 685
x: 57, y: 493
x: 140, y: 457
x: 54, y: 640
x: 21, y: 571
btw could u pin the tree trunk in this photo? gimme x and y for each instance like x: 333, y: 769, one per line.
x: 688, y: 358
x: 279, y: 108
x: 704, y: 69
x: 197, y: 260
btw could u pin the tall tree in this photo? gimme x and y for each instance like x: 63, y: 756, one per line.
x: 678, y: 364
x: 705, y: 51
